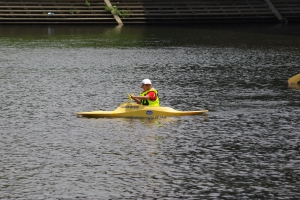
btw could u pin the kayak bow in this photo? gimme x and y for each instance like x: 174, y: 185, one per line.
x: 136, y: 110
x: 294, y: 82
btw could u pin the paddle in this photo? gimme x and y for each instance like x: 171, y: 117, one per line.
x: 129, y: 97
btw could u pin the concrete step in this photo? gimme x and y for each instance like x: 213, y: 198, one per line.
x: 146, y: 11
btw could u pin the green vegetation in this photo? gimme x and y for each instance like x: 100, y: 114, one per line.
x: 114, y: 10
x: 87, y: 3
x: 74, y: 11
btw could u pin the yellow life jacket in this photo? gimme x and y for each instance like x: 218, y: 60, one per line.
x: 148, y: 102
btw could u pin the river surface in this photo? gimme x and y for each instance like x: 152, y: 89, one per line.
x: 246, y: 147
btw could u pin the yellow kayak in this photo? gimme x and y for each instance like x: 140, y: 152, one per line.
x: 130, y: 109
x: 294, y: 82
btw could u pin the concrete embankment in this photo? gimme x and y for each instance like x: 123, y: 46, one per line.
x: 145, y: 11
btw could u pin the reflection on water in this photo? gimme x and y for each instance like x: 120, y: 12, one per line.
x: 258, y: 36
x: 246, y: 147
x: 118, y: 28
x: 50, y: 31
x: 294, y: 86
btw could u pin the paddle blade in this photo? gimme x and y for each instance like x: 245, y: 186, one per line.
x: 129, y: 97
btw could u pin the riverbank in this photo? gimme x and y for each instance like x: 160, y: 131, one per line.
x: 148, y: 12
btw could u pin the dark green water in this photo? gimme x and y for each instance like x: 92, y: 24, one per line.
x: 246, y: 147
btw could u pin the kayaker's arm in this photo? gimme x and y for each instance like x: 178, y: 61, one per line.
x: 138, y: 98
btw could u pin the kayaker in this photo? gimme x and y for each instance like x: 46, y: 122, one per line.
x: 149, y: 96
